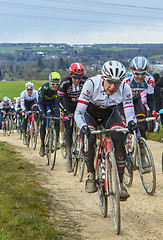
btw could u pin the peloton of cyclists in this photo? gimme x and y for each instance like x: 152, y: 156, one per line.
x: 28, y: 101
x: 98, y: 105
x: 67, y: 96
x: 48, y: 98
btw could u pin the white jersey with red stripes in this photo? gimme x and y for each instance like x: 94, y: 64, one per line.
x: 93, y: 92
x: 25, y: 98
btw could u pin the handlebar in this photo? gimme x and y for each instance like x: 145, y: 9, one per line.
x: 110, y: 130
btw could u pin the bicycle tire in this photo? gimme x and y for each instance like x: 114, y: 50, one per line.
x: 128, y: 172
x: 81, y: 168
x: 103, y: 201
x: 47, y: 147
x: 34, y: 135
x: 19, y: 132
x: 75, y: 160
x: 148, y: 179
x: 28, y: 134
x: 4, y: 130
x: 114, y: 191
x: 52, y: 148
x: 8, y: 127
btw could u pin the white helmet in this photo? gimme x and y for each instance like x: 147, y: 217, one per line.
x: 29, y: 85
x: 5, y: 99
x: 114, y: 70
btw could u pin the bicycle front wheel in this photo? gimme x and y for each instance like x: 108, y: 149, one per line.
x: 100, y: 185
x: 114, y: 191
x: 75, y: 160
x: 8, y: 127
x: 52, y: 148
x: 34, y: 135
x: 148, y: 178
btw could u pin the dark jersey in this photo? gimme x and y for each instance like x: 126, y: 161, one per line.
x: 68, y: 92
x: 46, y: 93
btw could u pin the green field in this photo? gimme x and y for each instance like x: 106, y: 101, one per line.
x: 13, y: 49
x: 13, y: 89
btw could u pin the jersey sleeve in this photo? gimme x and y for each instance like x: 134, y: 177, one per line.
x: 83, y: 102
x: 22, y: 101
x: 128, y: 105
x: 151, y: 85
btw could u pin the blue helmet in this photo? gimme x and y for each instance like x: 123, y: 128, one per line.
x: 139, y: 63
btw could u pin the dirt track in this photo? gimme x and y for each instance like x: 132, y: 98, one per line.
x: 141, y: 215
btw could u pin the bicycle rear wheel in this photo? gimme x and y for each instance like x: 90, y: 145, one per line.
x: 128, y: 171
x: 148, y: 179
x: 52, y: 148
x: 34, y: 135
x: 114, y: 191
x: 100, y: 185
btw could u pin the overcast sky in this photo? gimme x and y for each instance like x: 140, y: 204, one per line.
x: 89, y: 21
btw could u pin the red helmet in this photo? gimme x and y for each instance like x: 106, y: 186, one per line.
x: 76, y: 68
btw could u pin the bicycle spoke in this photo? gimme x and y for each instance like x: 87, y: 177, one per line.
x: 114, y: 192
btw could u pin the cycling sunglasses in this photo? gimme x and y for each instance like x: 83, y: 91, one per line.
x: 76, y: 77
x: 54, y: 84
x: 110, y: 81
x: 140, y: 73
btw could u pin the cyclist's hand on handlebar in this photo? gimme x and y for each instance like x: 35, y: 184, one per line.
x: 156, y: 116
x: 132, y: 126
x: 85, y: 130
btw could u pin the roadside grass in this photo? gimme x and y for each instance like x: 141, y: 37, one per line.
x: 156, y: 136
x: 24, y: 204
x: 13, y: 89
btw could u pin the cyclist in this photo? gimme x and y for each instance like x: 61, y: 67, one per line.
x: 28, y: 102
x: 139, y: 80
x: 97, y: 106
x: 67, y: 97
x: 6, y: 107
x: 48, y: 98
x: 18, y: 111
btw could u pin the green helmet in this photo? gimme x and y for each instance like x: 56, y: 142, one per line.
x: 54, y: 77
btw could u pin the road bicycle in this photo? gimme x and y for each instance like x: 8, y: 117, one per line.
x: 7, y: 123
x: 32, y: 128
x: 137, y: 149
x: 107, y: 177
x: 51, y: 140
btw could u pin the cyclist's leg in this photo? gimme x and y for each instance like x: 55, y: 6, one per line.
x: 140, y: 114
x: 118, y: 142
x: 62, y: 128
x: 69, y: 131
x: 42, y: 132
x: 56, y: 113
x: 90, y: 185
